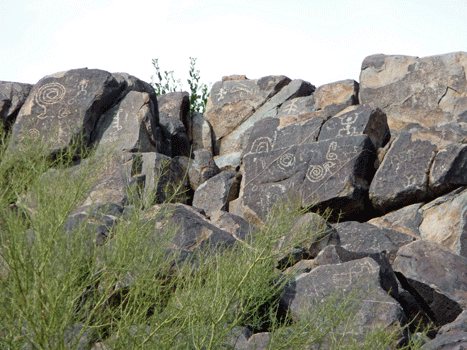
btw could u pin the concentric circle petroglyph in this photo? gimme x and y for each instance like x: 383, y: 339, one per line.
x: 315, y: 173
x: 261, y: 144
x: 50, y: 94
x: 286, y: 160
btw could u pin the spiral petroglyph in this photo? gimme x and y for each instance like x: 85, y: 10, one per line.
x: 315, y: 173
x: 286, y: 160
x: 50, y: 94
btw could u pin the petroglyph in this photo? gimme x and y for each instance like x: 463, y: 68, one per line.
x: 81, y: 94
x: 348, y: 129
x: 49, y: 94
x: 117, y: 122
x: 286, y: 161
x: 261, y: 144
x: 291, y: 108
x: 221, y: 94
x: 317, y: 172
x: 242, y: 89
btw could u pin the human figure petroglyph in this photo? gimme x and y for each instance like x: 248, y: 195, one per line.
x: 291, y: 108
x: 81, y: 94
x: 220, y: 95
x: 49, y: 94
x: 348, y: 129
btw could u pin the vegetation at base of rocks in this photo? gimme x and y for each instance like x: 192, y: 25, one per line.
x: 165, y: 83
x: 61, y: 290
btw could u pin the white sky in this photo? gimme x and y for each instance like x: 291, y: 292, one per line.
x: 320, y: 41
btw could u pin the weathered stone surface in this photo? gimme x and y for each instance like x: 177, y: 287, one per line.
x: 429, y: 90
x: 200, y: 133
x: 332, y: 173
x: 129, y: 126
x: 132, y: 83
x: 297, y: 106
x: 459, y: 325
x: 358, y: 120
x: 174, y: 109
x: 445, y: 221
x: 359, y: 277
x: 405, y: 220
x: 12, y: 97
x: 192, y: 229
x: 238, y: 138
x: 258, y: 341
x: 234, y: 224
x: 438, y: 275
x: 335, y: 254
x: 456, y: 341
x: 402, y: 178
x: 217, y: 192
x: 365, y: 237
x: 63, y: 106
x: 335, y: 97
x: 230, y: 161
x: 202, y: 169
x: 166, y: 178
x: 231, y: 102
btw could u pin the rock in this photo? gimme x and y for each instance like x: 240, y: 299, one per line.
x: 238, y: 138
x: 335, y: 254
x: 439, y: 276
x: 258, y: 341
x: 233, y: 224
x: 402, y: 178
x: 202, y: 169
x: 230, y: 161
x: 357, y: 279
x: 335, y: 97
x: 191, y: 228
x: 459, y: 325
x: 174, y: 109
x: 129, y: 126
x: 166, y: 179
x: 232, y: 102
x: 456, y: 341
x: 332, y: 173
x: 12, y: 97
x: 429, y: 91
x: 217, y: 192
x: 297, y: 106
x: 358, y: 120
x: 65, y: 106
x: 448, y: 169
x: 200, y: 134
x: 365, y: 237
x: 405, y: 220
x: 238, y: 338
x: 444, y: 221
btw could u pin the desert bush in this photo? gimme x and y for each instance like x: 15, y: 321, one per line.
x: 165, y: 83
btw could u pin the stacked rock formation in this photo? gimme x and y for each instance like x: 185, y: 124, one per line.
x: 388, y: 155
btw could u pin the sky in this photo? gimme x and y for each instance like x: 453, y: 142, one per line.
x: 320, y: 41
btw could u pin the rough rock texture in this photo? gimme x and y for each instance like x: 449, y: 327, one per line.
x: 12, y: 97
x: 335, y: 97
x: 430, y: 90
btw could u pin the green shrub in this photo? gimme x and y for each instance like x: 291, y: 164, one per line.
x: 59, y: 289
x: 199, y: 92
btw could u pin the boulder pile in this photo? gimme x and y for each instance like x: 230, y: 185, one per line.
x: 388, y: 156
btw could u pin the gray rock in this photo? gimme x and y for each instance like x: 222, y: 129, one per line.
x: 365, y: 237
x: 357, y: 279
x: 12, y: 97
x: 335, y: 97
x: 200, y: 133
x: 217, y: 192
x: 297, y: 106
x: 429, y: 90
x: 129, y: 126
x: 444, y: 221
x: 402, y: 178
x: 66, y: 106
x: 358, y: 120
x: 439, y: 276
x: 202, y: 169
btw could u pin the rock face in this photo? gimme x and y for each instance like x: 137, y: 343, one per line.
x: 387, y: 156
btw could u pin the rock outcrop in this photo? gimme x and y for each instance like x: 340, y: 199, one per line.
x: 387, y: 156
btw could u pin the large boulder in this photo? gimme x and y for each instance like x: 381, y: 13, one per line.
x: 438, y: 276
x: 335, y: 97
x: 12, y: 97
x: 429, y: 90
x: 65, y: 106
